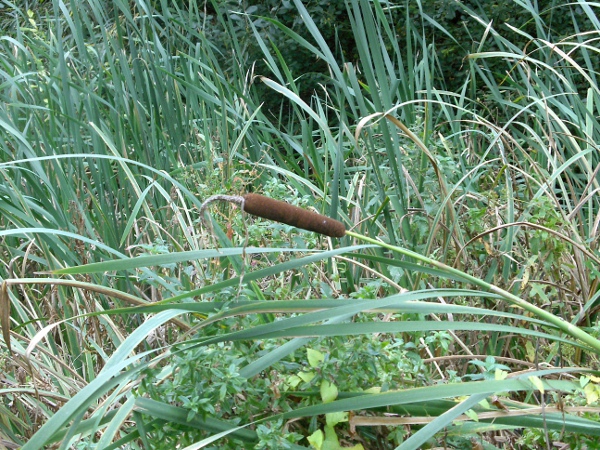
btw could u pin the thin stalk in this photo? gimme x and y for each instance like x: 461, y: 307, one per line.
x: 559, y: 322
x: 90, y: 287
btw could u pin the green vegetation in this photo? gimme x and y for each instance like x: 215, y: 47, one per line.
x: 459, y: 310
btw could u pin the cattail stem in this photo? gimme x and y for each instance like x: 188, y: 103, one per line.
x: 215, y: 198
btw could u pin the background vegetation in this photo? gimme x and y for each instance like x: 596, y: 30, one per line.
x: 457, y: 143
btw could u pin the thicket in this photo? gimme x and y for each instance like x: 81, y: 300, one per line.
x: 459, y: 308
x: 451, y: 29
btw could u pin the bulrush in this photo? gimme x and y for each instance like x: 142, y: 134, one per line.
x: 268, y: 208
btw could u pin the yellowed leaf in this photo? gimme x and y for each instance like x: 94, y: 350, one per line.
x: 315, y: 357
x: 329, y: 391
x: 591, y: 393
x: 306, y: 376
x: 530, y: 351
x: 316, y: 439
x: 537, y: 382
x: 498, y: 404
x: 332, y: 419
x: 472, y: 415
x: 488, y: 247
x: 500, y: 374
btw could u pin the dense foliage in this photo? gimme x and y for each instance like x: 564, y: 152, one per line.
x: 457, y: 142
x: 453, y: 29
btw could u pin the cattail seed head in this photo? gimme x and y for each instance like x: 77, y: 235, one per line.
x: 268, y: 208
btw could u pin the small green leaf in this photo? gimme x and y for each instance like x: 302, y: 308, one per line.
x: 332, y: 419
x: 373, y: 390
x: 331, y: 440
x: 316, y: 439
x: 294, y: 381
x: 539, y: 290
x: 329, y: 391
x: 306, y: 376
x: 500, y: 374
x: 315, y: 357
x: 530, y: 351
x: 591, y: 393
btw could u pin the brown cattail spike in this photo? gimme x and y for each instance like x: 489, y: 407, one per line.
x: 268, y: 208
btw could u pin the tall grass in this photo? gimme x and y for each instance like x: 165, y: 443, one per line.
x: 473, y: 221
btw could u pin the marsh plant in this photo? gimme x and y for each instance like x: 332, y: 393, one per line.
x: 446, y: 293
